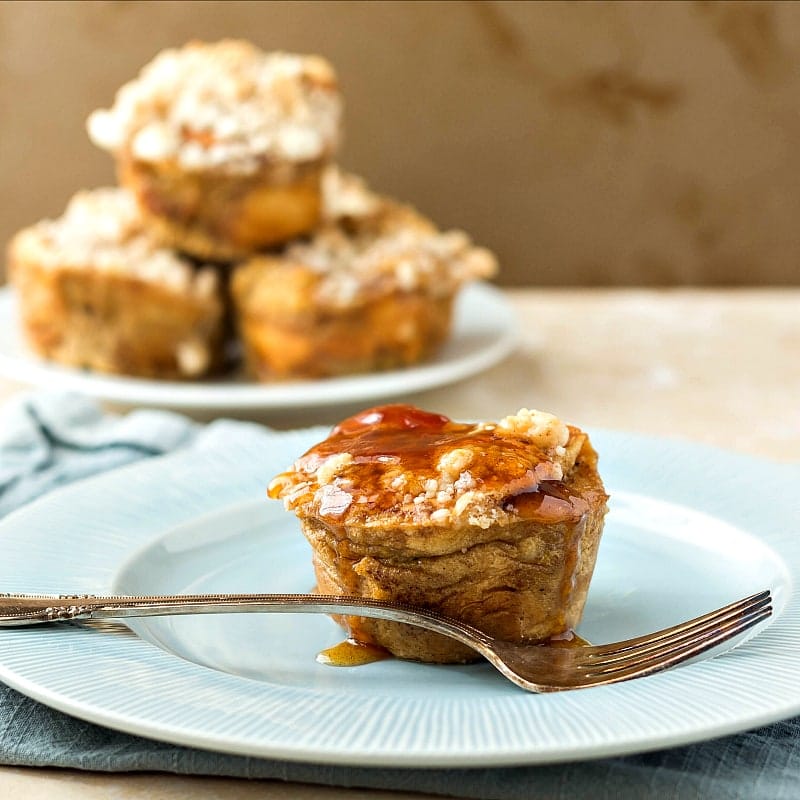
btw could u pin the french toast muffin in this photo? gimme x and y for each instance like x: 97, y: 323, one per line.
x: 224, y: 145
x: 495, y: 524
x: 96, y: 291
x: 371, y: 289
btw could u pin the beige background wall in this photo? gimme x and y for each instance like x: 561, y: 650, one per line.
x: 644, y: 143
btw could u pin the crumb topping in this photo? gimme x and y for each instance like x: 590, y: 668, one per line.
x: 346, y: 196
x: 550, y: 433
x: 370, y: 246
x: 102, y: 230
x: 225, y: 106
x: 424, y: 469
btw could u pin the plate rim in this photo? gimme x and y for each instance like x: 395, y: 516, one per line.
x: 619, y: 746
x: 218, y: 395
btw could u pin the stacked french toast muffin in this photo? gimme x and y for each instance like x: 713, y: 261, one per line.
x: 230, y: 204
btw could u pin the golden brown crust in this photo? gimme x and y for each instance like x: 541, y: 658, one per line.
x: 371, y: 289
x: 526, y: 583
x: 96, y: 291
x: 523, y: 576
x: 284, y: 339
x: 221, y: 217
x: 118, y: 324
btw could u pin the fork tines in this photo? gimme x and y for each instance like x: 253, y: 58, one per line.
x: 662, y: 649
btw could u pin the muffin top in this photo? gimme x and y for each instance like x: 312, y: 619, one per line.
x: 399, y: 464
x: 102, y: 230
x: 226, y: 107
x: 367, y: 246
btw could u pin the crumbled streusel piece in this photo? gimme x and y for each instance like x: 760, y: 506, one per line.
x: 102, y: 230
x: 225, y: 106
x: 454, y: 462
x: 346, y: 196
x: 333, y: 467
x: 545, y: 430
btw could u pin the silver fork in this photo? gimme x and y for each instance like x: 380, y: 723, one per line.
x: 536, y: 668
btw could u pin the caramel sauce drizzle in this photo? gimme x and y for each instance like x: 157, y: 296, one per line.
x: 414, y: 440
x: 352, y: 653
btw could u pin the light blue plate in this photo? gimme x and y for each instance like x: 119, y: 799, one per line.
x: 690, y: 528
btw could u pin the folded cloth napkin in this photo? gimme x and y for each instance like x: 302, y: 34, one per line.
x: 47, y: 440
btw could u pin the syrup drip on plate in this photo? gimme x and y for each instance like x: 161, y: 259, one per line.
x: 351, y: 653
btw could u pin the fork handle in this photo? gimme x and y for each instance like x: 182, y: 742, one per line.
x: 29, y: 609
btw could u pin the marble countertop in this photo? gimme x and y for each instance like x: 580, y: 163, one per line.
x: 717, y: 366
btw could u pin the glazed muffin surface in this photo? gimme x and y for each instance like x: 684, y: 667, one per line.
x: 497, y: 524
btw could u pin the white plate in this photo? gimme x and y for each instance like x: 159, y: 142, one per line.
x: 690, y: 528
x: 483, y: 334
